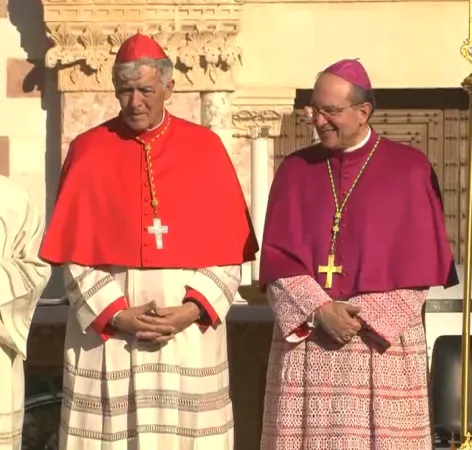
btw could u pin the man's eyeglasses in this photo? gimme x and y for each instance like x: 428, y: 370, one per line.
x: 328, y: 112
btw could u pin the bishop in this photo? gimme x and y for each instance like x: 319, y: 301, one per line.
x: 348, y: 350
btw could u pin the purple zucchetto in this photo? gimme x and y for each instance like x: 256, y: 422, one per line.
x: 351, y: 70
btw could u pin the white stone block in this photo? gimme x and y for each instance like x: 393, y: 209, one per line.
x: 11, y: 38
x: 34, y: 184
x: 25, y: 118
x: 27, y: 155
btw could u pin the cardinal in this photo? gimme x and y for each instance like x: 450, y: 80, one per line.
x: 151, y: 228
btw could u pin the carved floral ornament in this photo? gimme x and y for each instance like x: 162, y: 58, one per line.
x: 261, y: 110
x: 245, y: 120
x: 205, y: 57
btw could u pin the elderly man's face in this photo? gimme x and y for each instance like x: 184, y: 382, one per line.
x: 142, y: 98
x: 337, y: 120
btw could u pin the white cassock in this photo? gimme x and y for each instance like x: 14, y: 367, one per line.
x: 128, y: 395
x: 23, y: 276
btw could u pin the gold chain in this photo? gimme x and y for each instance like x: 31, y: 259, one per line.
x: 339, y: 209
x: 147, y: 151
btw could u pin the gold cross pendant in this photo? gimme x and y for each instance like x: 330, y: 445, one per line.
x: 329, y: 270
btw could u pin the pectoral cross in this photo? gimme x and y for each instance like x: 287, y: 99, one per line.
x: 329, y: 270
x: 158, y: 230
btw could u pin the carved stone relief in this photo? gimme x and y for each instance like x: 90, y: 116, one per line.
x: 199, y: 37
x: 261, y: 108
x: 216, y: 110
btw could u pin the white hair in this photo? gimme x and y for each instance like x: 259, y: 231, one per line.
x: 129, y: 70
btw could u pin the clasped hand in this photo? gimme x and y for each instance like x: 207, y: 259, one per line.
x: 158, y: 325
x: 339, y: 321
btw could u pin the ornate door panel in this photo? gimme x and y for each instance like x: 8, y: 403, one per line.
x: 455, y: 178
x: 441, y: 134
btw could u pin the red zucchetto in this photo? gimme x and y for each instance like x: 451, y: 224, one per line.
x: 139, y: 47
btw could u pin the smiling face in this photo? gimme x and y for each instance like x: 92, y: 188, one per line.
x: 142, y: 97
x: 340, y: 121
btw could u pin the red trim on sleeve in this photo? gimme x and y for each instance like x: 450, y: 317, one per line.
x: 101, y: 324
x: 303, y: 331
x: 211, y: 316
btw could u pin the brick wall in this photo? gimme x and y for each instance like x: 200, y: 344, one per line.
x: 23, y: 111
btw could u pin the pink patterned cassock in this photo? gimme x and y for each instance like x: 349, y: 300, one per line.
x: 370, y: 394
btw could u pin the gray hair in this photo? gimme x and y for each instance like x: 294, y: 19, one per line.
x: 129, y: 70
x: 360, y: 95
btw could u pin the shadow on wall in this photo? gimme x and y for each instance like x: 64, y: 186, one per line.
x: 27, y: 16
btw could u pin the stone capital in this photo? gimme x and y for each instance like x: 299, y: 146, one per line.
x: 198, y: 35
x: 261, y: 107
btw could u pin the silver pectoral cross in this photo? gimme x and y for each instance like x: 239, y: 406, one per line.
x: 158, y: 230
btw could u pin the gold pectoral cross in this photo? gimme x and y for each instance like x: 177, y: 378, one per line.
x: 329, y: 270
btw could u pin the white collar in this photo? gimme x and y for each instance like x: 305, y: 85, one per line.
x: 161, y: 122
x: 360, y: 144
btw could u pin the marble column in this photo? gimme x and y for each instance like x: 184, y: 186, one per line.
x: 260, y: 179
x: 257, y: 119
x: 217, y: 115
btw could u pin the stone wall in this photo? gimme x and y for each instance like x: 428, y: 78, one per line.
x: 403, y: 44
x: 24, y: 119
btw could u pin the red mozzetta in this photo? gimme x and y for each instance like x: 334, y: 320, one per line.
x: 103, y: 210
